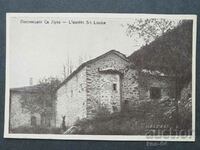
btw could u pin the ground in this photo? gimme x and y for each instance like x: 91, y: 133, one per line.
x: 143, y: 120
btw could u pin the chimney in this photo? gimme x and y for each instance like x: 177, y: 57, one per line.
x: 31, y: 81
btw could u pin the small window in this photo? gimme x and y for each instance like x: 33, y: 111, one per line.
x: 126, y: 105
x: 155, y: 93
x: 126, y: 102
x: 114, y: 87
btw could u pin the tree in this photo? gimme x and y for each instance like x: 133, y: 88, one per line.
x: 71, y: 65
x: 171, y: 53
x: 40, y: 97
x: 68, y: 67
x: 149, y: 29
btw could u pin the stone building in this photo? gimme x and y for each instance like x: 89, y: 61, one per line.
x: 112, y: 81
x: 155, y: 85
x: 108, y: 81
x: 28, y: 108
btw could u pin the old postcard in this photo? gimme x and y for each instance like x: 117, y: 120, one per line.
x: 86, y: 76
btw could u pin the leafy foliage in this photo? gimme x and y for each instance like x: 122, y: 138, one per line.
x: 36, y: 130
x: 170, y: 53
x: 49, y: 85
x: 150, y: 29
x: 185, y: 107
x: 138, y: 121
x: 40, y: 99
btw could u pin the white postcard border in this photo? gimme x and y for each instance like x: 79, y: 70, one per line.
x: 102, y: 137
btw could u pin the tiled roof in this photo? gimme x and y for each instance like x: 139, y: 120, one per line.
x: 34, y: 88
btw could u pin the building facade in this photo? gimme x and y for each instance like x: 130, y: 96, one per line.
x: 109, y: 81
x: 29, y: 108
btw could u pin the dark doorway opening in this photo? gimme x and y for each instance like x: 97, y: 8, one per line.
x: 155, y: 93
x: 33, y: 121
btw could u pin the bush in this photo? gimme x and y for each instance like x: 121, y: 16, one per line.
x: 36, y: 130
x: 147, y: 114
x: 110, y: 124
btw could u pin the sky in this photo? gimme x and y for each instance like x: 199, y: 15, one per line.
x: 39, y: 50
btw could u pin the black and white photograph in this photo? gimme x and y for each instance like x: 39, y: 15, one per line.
x: 98, y: 76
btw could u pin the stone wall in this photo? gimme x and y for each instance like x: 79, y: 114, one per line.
x: 71, y: 99
x: 96, y: 81
x: 110, y: 97
x: 20, y: 115
x: 130, y: 87
x: 107, y: 82
x: 166, y: 84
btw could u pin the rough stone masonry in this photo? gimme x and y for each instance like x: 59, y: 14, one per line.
x: 107, y: 81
